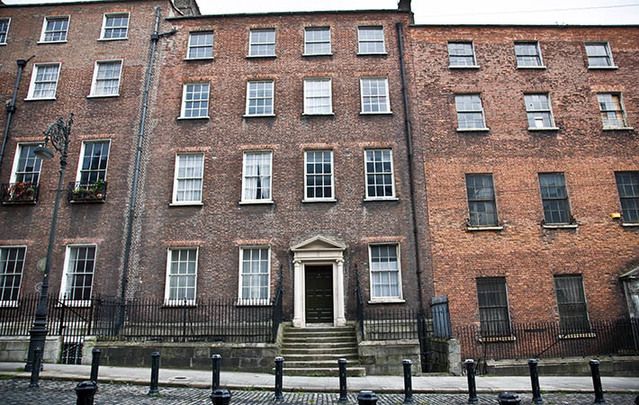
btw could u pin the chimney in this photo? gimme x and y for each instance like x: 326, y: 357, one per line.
x: 404, y: 5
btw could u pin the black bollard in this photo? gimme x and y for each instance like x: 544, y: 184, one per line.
x: 279, y: 363
x: 155, y: 373
x: 342, y: 380
x: 534, y: 381
x: 95, y: 364
x: 35, y: 371
x: 469, y: 364
x: 596, y: 382
x: 508, y: 398
x: 221, y: 397
x: 408, y: 382
x: 366, y: 398
x: 85, y: 391
x: 216, y: 363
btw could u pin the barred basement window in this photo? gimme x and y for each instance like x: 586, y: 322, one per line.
x: 571, y: 302
x: 493, y: 306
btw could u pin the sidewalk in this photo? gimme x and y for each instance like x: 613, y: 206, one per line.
x: 380, y: 384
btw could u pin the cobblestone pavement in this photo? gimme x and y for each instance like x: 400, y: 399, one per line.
x: 17, y: 391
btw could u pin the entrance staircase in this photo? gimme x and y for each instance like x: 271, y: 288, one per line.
x: 314, y: 351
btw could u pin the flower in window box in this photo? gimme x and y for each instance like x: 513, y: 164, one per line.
x: 23, y: 191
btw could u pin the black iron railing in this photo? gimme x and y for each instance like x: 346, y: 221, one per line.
x: 391, y: 323
x: 551, y: 339
x: 87, y: 193
x: 19, y: 193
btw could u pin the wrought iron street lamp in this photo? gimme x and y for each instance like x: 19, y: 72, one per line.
x: 58, y: 136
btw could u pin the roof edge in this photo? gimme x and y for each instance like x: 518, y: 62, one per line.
x: 289, y: 13
x: 526, y: 25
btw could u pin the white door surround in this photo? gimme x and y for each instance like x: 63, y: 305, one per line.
x: 318, y: 250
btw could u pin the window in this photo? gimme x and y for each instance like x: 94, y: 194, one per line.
x: 317, y: 41
x: 571, y: 302
x: 256, y: 177
x: 528, y: 54
x: 79, y: 267
x: 195, y: 100
x: 493, y: 306
x: 374, y: 95
x: 470, y: 113
x: 461, y: 54
x: 612, y: 113
x: 481, y: 200
x: 55, y: 29
x: 93, y: 166
x: 4, y: 30
x: 11, y: 266
x: 200, y: 45
x: 262, y: 42
x: 628, y: 187
x: 554, y: 198
x: 385, y: 274
x: 26, y: 168
x: 255, y: 269
x: 181, y: 276
x: 115, y: 26
x: 44, y: 81
x: 106, y: 79
x: 538, y: 111
x: 317, y: 97
x: 259, y: 98
x: 187, y: 187
x: 599, y: 55
x: 371, y: 40
x: 379, y: 174
x: 318, y: 175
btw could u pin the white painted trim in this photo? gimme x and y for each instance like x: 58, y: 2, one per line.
x: 315, y: 199
x: 246, y: 301
x: 175, y: 180
x: 65, y: 269
x: 383, y: 52
x: 538, y: 46
x: 16, y: 158
x: 250, y: 43
x: 361, y: 95
x: 391, y: 197
x: 330, y: 41
x: 399, y: 272
x: 608, y: 50
x: 183, y: 106
x: 6, y: 37
x: 188, y: 45
x: 44, y: 27
x: 34, y: 73
x: 330, y: 94
x: 103, y: 30
x: 167, y: 288
x: 248, y: 85
x: 14, y: 303
x: 95, y: 77
x: 483, y: 113
x: 81, y: 158
x: 258, y: 201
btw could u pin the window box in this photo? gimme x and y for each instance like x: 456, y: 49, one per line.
x: 87, y: 193
x: 19, y: 193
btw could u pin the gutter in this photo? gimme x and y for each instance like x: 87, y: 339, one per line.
x: 11, y: 107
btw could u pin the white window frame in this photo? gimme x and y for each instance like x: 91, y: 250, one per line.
x: 270, y: 179
x: 624, y: 123
x: 16, y: 159
x: 330, y: 95
x: 14, y: 303
x: 538, y: 55
x: 532, y: 111
x: 167, y: 281
x: 307, y: 42
x: 94, y: 82
x: 191, y: 46
x: 248, y: 99
x: 475, y: 65
x: 386, y: 299
x: 392, y: 174
x: 386, y: 94
x: 45, y: 20
x: 65, y: 275
x: 174, y: 201
x: 78, y: 176
x: 259, y: 301
x: 32, y: 84
x: 251, y: 53
x: 360, y: 41
x: 183, y: 105
x: 606, y: 45
x: 319, y: 199
x: 481, y: 110
x: 6, y: 33
x: 104, y: 27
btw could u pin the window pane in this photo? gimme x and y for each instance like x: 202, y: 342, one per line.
x: 257, y: 176
x: 94, y: 163
x: 56, y: 29
x: 254, y: 271
x: 116, y: 26
x: 571, y: 302
x: 200, y: 45
x: 481, y: 200
x: 384, y: 271
x: 374, y: 95
x: 182, y: 275
x: 11, y: 268
x: 79, y: 273
x: 628, y: 187
x: 29, y: 165
x: 379, y: 173
x: 493, y: 306
x: 107, y: 79
x: 371, y: 40
x: 317, y: 41
x: 317, y: 96
x: 189, y: 178
x: 262, y: 42
x: 319, y: 174
x: 461, y: 54
x: 528, y: 54
x: 260, y: 98
x: 196, y: 100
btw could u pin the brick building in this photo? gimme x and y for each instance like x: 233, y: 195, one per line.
x: 323, y: 153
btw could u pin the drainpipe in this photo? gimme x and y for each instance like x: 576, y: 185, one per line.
x: 133, y: 197
x: 409, y: 146
x: 11, y: 107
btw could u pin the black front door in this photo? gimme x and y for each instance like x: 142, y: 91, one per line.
x: 319, y: 294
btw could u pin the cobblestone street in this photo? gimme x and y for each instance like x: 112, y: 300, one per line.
x: 17, y: 391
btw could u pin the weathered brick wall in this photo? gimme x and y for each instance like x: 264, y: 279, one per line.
x: 114, y: 118
x: 523, y: 252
